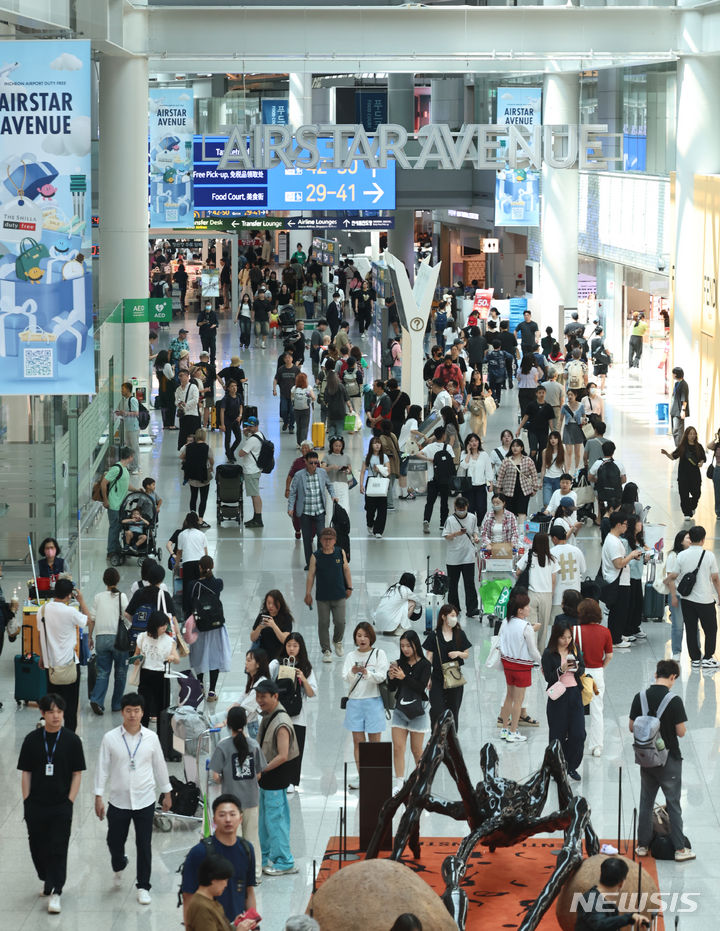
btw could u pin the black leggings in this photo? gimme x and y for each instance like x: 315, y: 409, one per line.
x: 154, y: 688
x: 203, y: 489
x: 214, y: 673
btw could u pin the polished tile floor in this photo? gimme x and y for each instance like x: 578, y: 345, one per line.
x: 252, y: 564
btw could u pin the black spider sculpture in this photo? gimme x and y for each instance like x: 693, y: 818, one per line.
x: 499, y: 812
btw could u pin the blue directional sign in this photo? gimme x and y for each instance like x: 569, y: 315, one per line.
x: 280, y: 188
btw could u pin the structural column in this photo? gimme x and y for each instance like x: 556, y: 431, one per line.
x: 123, y: 199
x: 401, y: 110
x: 559, y: 222
x: 698, y: 152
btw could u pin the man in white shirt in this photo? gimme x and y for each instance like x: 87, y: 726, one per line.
x: 615, y: 569
x: 187, y: 400
x: 461, y: 533
x: 248, y: 453
x: 699, y: 603
x: 564, y: 491
x: 443, y: 398
x: 58, y: 624
x: 571, y: 564
x: 131, y: 759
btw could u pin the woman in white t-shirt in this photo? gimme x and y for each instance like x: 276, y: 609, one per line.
x: 397, y: 606
x: 553, y: 466
x: 157, y: 647
x: 541, y: 581
x: 500, y: 453
x: 475, y: 464
x: 244, y: 320
x: 302, y: 399
x: 191, y: 547
x: 408, y: 431
x: 294, y: 653
x: 681, y: 542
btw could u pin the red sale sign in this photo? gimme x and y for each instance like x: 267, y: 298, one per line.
x: 481, y: 304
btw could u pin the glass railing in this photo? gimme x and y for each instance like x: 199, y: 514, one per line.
x: 405, y: 3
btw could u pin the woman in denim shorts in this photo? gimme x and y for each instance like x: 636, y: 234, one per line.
x: 364, y: 669
x: 409, y: 677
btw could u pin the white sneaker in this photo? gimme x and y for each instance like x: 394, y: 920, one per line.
x: 676, y: 657
x: 54, y: 907
x: 426, y: 526
x: 710, y: 663
x: 597, y: 751
x: 143, y: 897
x: 621, y: 646
x: 515, y: 737
x: 327, y: 656
x: 397, y: 785
x: 641, y: 635
x: 680, y: 855
x: 339, y: 648
x: 290, y: 789
x: 628, y: 640
x: 504, y: 733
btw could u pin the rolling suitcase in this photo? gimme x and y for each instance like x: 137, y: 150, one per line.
x: 30, y: 680
x: 653, y: 603
x: 318, y: 435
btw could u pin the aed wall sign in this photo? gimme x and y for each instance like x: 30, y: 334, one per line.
x: 492, y: 146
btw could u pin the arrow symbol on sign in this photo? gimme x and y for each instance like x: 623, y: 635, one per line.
x: 376, y: 194
x: 346, y: 223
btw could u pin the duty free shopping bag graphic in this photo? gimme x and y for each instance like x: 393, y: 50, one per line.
x: 45, y: 322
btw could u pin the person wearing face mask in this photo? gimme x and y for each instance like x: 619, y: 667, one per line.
x: 244, y: 319
x: 499, y: 526
x: 447, y: 643
x: 461, y: 533
x: 593, y: 404
x: 50, y: 565
x: 207, y: 323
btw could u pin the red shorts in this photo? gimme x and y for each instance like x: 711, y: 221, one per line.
x: 517, y: 674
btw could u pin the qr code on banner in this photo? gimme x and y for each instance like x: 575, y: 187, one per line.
x: 38, y: 363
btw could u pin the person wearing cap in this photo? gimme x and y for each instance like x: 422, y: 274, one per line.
x: 233, y: 372
x: 231, y: 412
x: 680, y: 407
x: 187, y: 401
x: 248, y: 452
x: 207, y: 323
x: 260, y: 313
x: 279, y: 746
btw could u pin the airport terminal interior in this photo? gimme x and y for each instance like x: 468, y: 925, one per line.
x: 554, y: 163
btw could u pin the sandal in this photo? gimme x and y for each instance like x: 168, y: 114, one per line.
x: 500, y: 722
x: 527, y: 721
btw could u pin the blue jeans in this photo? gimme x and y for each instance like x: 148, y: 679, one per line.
x: 274, y: 829
x: 287, y: 415
x: 676, y: 633
x: 549, y: 486
x: 105, y: 656
x: 309, y: 309
x: 113, y: 541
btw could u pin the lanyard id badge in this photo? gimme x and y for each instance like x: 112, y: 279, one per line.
x: 132, y: 755
x: 49, y: 765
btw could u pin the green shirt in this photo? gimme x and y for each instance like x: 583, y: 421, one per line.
x: 119, y: 489
x: 298, y: 257
x: 639, y: 328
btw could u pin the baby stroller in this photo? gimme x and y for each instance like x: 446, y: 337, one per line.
x: 145, y: 504
x: 287, y: 321
x: 229, y: 488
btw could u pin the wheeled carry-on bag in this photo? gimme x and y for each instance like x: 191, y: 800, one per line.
x: 318, y: 435
x: 30, y: 680
x: 653, y: 603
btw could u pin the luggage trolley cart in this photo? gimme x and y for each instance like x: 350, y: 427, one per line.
x: 196, y: 767
x: 497, y: 577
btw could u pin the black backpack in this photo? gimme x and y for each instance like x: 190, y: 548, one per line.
x: 207, y: 608
x: 443, y: 466
x: 143, y: 417
x: 386, y: 358
x: 265, y: 459
x: 185, y: 797
x: 290, y: 695
x: 608, y: 483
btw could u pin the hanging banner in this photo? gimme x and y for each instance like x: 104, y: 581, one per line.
x: 46, y: 324
x: 172, y: 119
x: 517, y: 191
x: 275, y: 111
x: 371, y: 109
x: 481, y: 302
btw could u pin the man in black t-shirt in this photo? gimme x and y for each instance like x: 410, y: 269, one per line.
x: 231, y: 420
x: 261, y: 317
x: 52, y: 762
x: 669, y: 776
x: 509, y: 344
x: 285, y: 381
x: 233, y: 372
x: 528, y: 331
x: 540, y: 419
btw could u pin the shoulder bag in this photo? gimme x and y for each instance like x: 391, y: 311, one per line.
x: 586, y: 682
x: 557, y: 689
x: 451, y: 671
x: 377, y: 486
x: 523, y: 580
x: 610, y: 591
x: 687, y: 582
x: 58, y: 675
x: 134, y: 674
x: 122, y: 637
